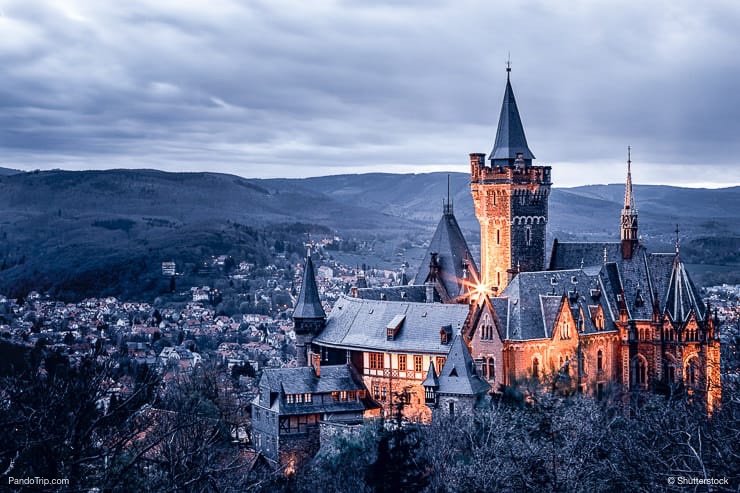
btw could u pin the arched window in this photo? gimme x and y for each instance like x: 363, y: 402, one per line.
x: 670, y: 369
x: 600, y: 361
x: 536, y: 368
x: 640, y: 376
x: 491, y: 369
x: 692, y: 368
x: 452, y: 409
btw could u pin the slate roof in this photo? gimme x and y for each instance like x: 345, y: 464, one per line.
x: 510, y: 138
x: 530, y: 304
x: 451, y: 248
x: 571, y: 255
x: 416, y: 293
x: 303, y: 380
x: 431, y: 379
x: 309, y: 303
x: 683, y: 298
x: 646, y: 276
x: 355, y: 323
x: 458, y: 374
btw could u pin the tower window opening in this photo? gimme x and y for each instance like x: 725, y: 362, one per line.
x: 498, y: 236
x: 528, y: 235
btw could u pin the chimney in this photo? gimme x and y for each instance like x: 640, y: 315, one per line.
x: 316, y: 363
x: 429, y: 292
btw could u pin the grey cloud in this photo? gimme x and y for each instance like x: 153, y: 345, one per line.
x: 258, y: 88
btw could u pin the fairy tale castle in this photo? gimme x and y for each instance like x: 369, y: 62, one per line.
x: 593, y: 317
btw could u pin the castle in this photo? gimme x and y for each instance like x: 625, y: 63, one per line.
x: 593, y: 317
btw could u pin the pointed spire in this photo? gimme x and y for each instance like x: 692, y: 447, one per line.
x: 629, y: 234
x: 309, y: 304
x: 629, y: 202
x: 677, y: 231
x: 447, y: 206
x: 510, y: 139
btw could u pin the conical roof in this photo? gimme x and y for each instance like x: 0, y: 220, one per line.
x: 458, y: 375
x: 683, y: 297
x: 510, y: 138
x: 309, y: 303
x: 453, y: 256
x: 431, y: 379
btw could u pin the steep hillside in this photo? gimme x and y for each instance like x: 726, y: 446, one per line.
x: 105, y: 232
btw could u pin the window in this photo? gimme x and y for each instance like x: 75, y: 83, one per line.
x: 299, y: 398
x: 491, y: 369
x: 498, y: 236
x: 536, y: 368
x: 335, y: 396
x: 440, y: 363
x: 691, y: 372
x: 452, y: 409
x: 565, y: 330
x: 640, y: 371
x: 418, y: 364
x: 402, y: 363
x: 376, y: 392
x: 352, y: 395
x: 343, y: 395
x: 307, y: 398
x: 600, y: 361
x: 376, y: 361
x: 528, y: 235
x: 289, y: 398
x: 384, y: 393
x: 498, y: 278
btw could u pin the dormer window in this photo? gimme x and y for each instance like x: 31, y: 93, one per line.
x: 554, y: 281
x: 394, y: 327
x: 445, y: 334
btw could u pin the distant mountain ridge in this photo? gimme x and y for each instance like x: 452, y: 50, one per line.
x: 68, y: 225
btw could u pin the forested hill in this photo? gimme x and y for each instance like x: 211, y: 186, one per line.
x: 106, y: 232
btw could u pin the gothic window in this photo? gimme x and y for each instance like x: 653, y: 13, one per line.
x: 402, y: 362
x: 565, y: 330
x: 640, y: 376
x: 600, y: 361
x: 491, y: 369
x: 418, y: 364
x: 691, y: 371
x: 536, y: 368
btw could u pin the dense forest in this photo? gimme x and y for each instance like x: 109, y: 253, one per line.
x: 177, y: 436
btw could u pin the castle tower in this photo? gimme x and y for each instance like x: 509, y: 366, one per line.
x: 629, y: 215
x: 308, y: 316
x: 510, y: 196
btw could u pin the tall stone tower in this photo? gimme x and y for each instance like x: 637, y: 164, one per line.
x: 308, y: 316
x: 629, y: 215
x: 510, y: 197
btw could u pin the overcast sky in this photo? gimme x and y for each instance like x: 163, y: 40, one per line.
x: 305, y: 88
